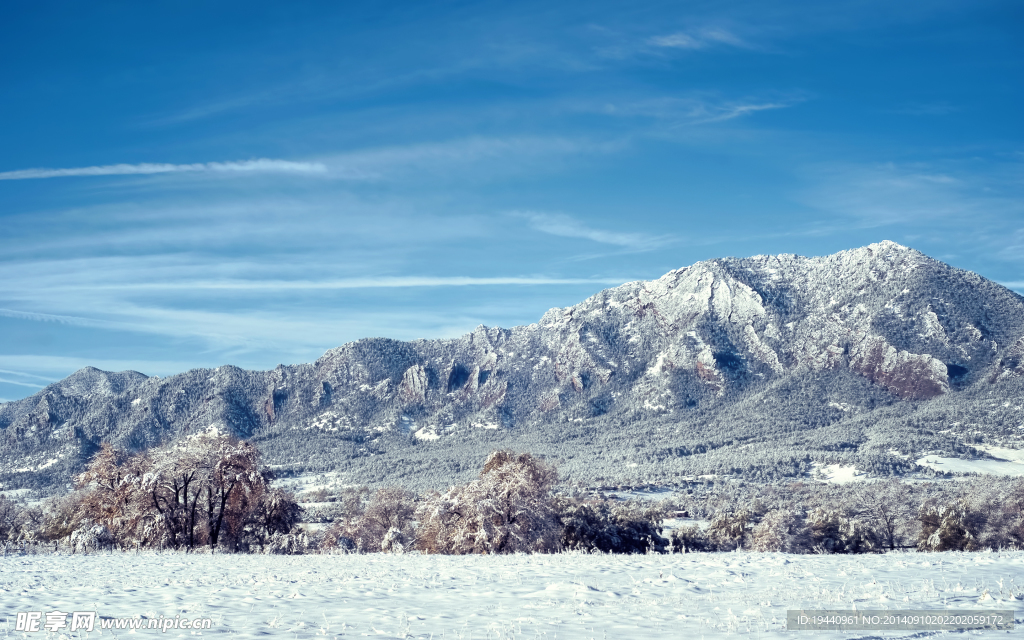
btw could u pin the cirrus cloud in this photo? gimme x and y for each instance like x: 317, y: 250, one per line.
x: 264, y: 165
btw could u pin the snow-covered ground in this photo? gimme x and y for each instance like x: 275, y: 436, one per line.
x: 956, y: 465
x: 836, y: 473
x: 540, y: 596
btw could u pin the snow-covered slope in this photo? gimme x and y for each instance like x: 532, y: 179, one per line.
x: 812, y: 353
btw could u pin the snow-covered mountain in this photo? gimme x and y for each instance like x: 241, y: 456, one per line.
x: 869, y: 356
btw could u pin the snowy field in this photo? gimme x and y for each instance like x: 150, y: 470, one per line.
x: 1008, y: 462
x: 539, y: 596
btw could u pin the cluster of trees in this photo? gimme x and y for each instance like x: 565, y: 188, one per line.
x: 511, y: 507
x: 207, y: 490
x: 210, y: 491
x: 859, y: 518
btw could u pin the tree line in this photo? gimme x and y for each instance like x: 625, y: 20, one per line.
x: 211, y: 491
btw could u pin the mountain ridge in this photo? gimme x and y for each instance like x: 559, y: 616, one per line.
x: 647, y: 365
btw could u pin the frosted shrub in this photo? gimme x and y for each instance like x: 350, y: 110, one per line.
x: 610, y: 527
x: 887, y: 507
x: 363, y: 527
x: 729, y: 531
x: 273, y: 511
x: 90, y: 537
x: 781, y: 530
x: 834, y: 531
x: 390, y: 508
x: 393, y: 542
x: 287, y: 544
x: 691, y: 538
x: 9, y: 516
x: 952, y: 527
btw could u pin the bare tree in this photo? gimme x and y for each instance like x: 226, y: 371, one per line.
x: 390, y: 508
x: 887, y: 508
x: 110, y: 493
x: 10, y: 514
x: 274, y: 512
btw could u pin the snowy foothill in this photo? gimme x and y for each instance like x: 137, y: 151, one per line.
x: 568, y: 596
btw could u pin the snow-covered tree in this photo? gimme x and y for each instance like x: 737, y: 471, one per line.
x: 837, y: 531
x: 208, y: 488
x: 10, y: 514
x: 508, y: 509
x: 391, y: 509
x: 272, y: 512
x: 781, y: 530
x: 689, y: 539
x: 110, y: 495
x: 192, y: 483
x: 729, y: 531
x: 949, y: 527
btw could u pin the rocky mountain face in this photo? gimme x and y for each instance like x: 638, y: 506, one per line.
x: 656, y: 366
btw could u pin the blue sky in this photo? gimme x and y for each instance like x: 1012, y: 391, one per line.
x: 190, y: 184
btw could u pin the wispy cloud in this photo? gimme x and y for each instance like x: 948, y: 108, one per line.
x: 28, y: 375
x: 699, y: 39
x: 47, y: 317
x: 21, y: 384
x: 559, y: 224
x: 168, y: 296
x: 696, y: 109
x: 474, y: 154
x: 392, y: 282
x: 262, y: 165
x: 925, y: 109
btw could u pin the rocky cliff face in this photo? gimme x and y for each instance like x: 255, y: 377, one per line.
x: 700, y: 337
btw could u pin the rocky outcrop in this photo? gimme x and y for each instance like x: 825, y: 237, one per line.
x: 908, y: 375
x: 413, y: 389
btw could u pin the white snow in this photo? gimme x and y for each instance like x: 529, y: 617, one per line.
x: 837, y: 473
x: 426, y: 433
x: 956, y: 465
x: 567, y: 596
x: 1003, y: 453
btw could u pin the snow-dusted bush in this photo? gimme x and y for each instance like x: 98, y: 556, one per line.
x: 888, y: 509
x: 287, y: 544
x: 781, y: 530
x: 507, y: 510
x: 690, y: 538
x: 90, y: 537
x: 10, y: 513
x: 601, y: 525
x: 363, y: 526
x: 835, y: 531
x: 390, y: 509
x: 394, y: 541
x: 274, y: 511
x: 729, y: 531
x: 949, y: 527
